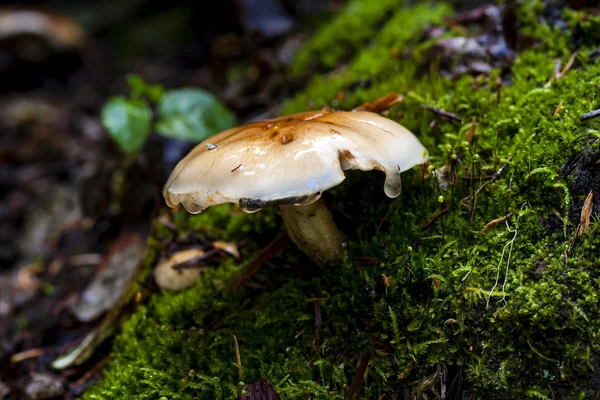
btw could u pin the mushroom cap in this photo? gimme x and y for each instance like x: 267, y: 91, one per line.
x: 56, y: 29
x: 291, y: 160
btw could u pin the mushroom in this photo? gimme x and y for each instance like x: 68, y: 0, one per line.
x: 289, y: 162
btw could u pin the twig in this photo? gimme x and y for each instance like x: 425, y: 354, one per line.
x: 508, y: 195
x: 558, y: 75
x: 551, y: 392
x: 472, y: 206
x: 381, y: 104
x: 445, y: 114
x: 97, y: 367
x: 388, y: 212
x: 238, y: 356
x: 475, y: 178
x: 316, y: 299
x: 365, y: 261
x: 558, y: 108
x: 494, y: 177
x: 435, y: 217
x: 590, y: 115
x: 491, y: 180
x: 263, y: 257
x: 27, y: 354
x: 494, y: 222
x: 359, y: 376
x: 442, y: 206
x: 193, y: 262
x: 318, y: 323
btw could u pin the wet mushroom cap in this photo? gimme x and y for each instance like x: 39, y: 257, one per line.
x: 291, y: 160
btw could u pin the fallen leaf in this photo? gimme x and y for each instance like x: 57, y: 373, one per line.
x: 167, y: 277
x: 116, y: 272
x: 586, y: 212
x: 387, y: 280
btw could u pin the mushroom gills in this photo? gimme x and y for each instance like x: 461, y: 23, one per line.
x: 253, y: 205
x: 312, y: 229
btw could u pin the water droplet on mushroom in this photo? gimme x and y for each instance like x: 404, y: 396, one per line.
x: 393, y: 184
x: 250, y: 209
x: 191, y: 206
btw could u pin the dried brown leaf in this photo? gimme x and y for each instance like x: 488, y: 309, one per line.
x: 586, y: 212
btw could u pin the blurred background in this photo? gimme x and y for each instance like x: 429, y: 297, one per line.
x: 76, y: 204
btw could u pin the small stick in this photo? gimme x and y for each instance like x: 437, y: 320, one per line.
x: 445, y: 114
x: 558, y: 108
x: 263, y: 257
x: 318, y: 323
x: 364, y: 261
x: 435, y: 217
x: 558, y: 75
x: 569, y: 64
x: 27, y: 354
x: 491, y: 180
x: 472, y: 208
x: 381, y: 104
x: 508, y: 196
x: 476, y: 178
x: 551, y: 392
x: 97, y: 367
x: 590, y: 115
x: 387, y: 213
x: 528, y: 182
x: 359, y: 376
x: 423, y: 169
x: 494, y: 177
x: 236, y: 168
x: 495, y: 222
x: 194, y: 261
x: 238, y: 356
x: 316, y: 299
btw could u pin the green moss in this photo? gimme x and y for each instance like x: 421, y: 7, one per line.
x: 344, y: 35
x: 512, y: 311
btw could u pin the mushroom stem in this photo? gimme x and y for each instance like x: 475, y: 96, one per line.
x: 312, y: 229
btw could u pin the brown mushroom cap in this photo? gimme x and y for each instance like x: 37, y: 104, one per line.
x: 291, y: 160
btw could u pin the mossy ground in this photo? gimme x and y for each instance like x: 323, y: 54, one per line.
x: 509, y: 313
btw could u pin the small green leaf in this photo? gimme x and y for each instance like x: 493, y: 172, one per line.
x: 154, y: 92
x: 192, y: 114
x: 127, y: 122
x: 137, y: 85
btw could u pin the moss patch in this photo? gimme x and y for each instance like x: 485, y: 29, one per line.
x: 509, y: 313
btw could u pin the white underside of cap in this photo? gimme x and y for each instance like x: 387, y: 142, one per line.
x: 294, y: 159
